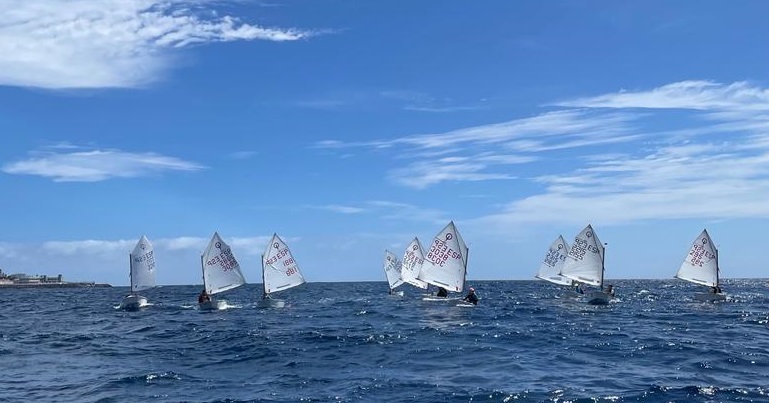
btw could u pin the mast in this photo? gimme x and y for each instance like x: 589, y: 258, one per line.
x: 131, y: 271
x: 203, y: 271
x: 603, y: 257
x: 464, y: 279
x: 264, y: 283
x: 718, y: 269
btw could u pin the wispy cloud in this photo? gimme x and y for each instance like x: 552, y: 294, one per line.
x: 611, y: 158
x: 336, y: 208
x: 718, y: 168
x: 90, y: 247
x: 699, y: 95
x: 59, y: 44
x: 96, y: 165
x: 388, y: 210
x: 487, y: 152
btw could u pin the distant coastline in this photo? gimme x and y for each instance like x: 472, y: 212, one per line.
x: 54, y: 285
x: 21, y: 280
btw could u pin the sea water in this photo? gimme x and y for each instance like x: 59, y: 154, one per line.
x: 353, y: 342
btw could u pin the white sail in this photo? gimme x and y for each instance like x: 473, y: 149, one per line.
x: 279, y: 268
x: 142, y: 265
x: 445, y: 263
x: 701, y: 263
x: 411, y: 265
x: 584, y: 263
x: 392, y: 268
x: 221, y: 272
x: 555, y: 259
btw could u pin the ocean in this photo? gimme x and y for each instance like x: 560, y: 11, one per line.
x: 352, y: 342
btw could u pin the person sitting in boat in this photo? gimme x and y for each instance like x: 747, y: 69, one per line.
x: 715, y: 289
x: 471, y: 297
x: 442, y: 292
x: 578, y: 288
x: 203, y: 297
x: 266, y: 296
x: 610, y: 290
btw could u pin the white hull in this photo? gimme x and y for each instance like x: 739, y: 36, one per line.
x: 598, y: 298
x: 397, y: 294
x: 709, y: 297
x: 271, y: 303
x: 440, y: 299
x: 133, y: 302
x: 213, y: 305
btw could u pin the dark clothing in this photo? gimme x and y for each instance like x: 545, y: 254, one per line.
x: 442, y: 292
x: 472, y: 298
x: 578, y: 289
x: 203, y: 297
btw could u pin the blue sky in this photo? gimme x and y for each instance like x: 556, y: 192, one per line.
x: 350, y: 127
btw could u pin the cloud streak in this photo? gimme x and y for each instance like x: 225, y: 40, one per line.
x: 697, y: 95
x: 96, y: 165
x: 612, y: 158
x: 58, y: 44
x: 490, y: 152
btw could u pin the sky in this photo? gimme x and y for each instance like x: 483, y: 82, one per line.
x: 349, y: 127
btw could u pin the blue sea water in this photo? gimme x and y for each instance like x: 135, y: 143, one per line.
x: 352, y: 342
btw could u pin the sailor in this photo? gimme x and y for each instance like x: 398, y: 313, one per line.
x: 203, y: 297
x: 578, y: 288
x: 610, y: 290
x: 471, y: 297
x: 442, y: 292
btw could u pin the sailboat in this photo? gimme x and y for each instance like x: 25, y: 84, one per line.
x: 141, y: 262
x: 585, y: 264
x: 392, y: 268
x: 550, y: 268
x: 445, y: 264
x: 411, y: 265
x: 701, y: 267
x: 279, y: 272
x: 221, y: 272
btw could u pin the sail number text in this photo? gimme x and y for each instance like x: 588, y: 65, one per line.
x: 440, y: 252
x: 288, y: 264
x: 148, y: 259
x: 225, y: 260
x: 553, y: 257
x: 581, y: 247
x: 700, y: 255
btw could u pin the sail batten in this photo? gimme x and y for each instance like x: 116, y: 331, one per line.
x: 142, y: 260
x: 445, y: 263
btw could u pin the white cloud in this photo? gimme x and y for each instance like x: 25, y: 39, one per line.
x: 699, y: 95
x: 420, y: 175
x: 88, y: 247
x: 487, y: 152
x: 96, y: 165
x: 341, y: 209
x: 59, y: 44
x: 717, y: 167
x: 609, y: 162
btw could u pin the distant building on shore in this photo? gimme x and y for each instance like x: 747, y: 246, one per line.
x: 24, y: 280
